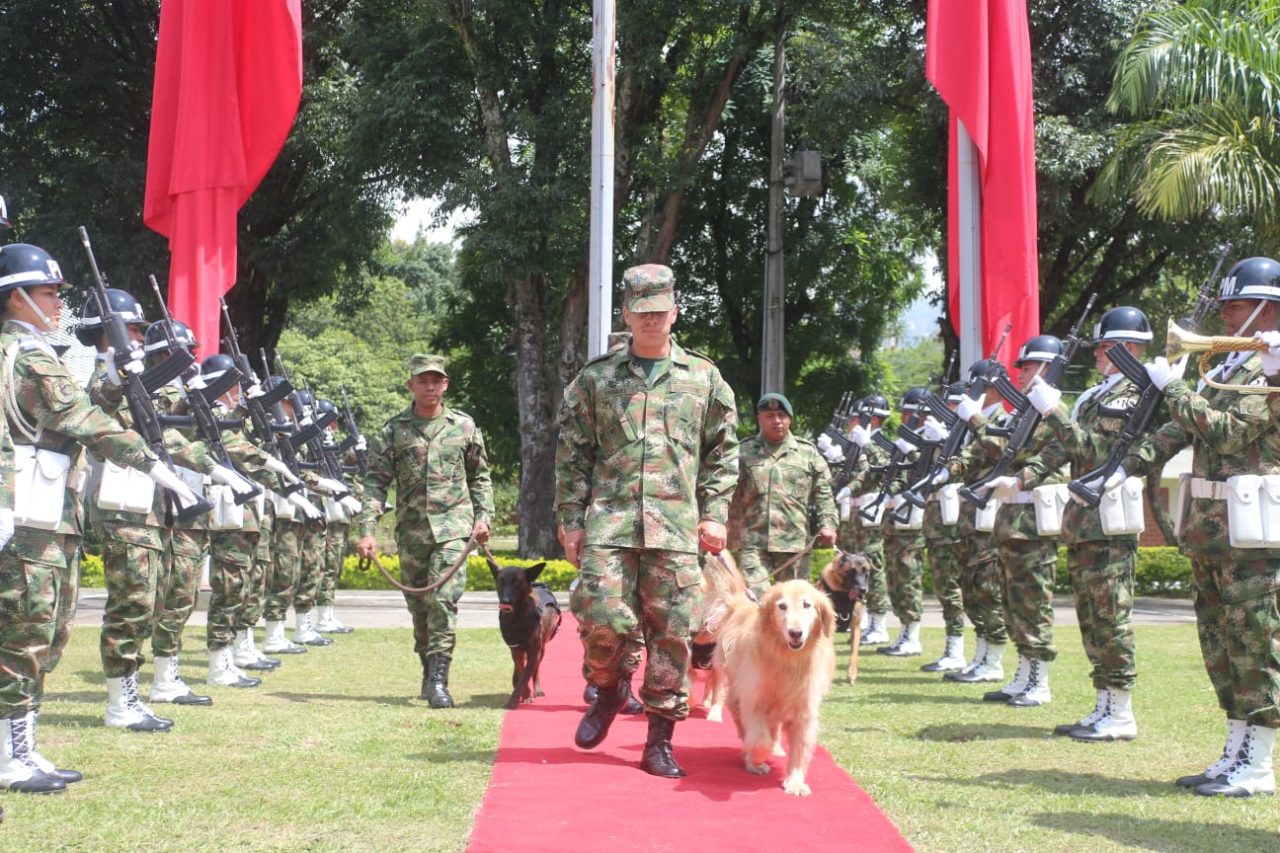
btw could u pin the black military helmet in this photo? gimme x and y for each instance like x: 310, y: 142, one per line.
x: 156, y: 340
x: 216, y: 365
x: 984, y: 368
x: 324, y: 406
x: 876, y: 405
x: 1252, y: 278
x: 305, y: 398
x: 956, y: 390
x: 24, y: 265
x: 119, y: 301
x: 1039, y: 348
x: 1123, y: 324
x: 914, y: 399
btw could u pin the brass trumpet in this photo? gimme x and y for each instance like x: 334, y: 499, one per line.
x: 1180, y: 342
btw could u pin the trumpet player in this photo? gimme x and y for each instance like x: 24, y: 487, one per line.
x: 1236, y: 564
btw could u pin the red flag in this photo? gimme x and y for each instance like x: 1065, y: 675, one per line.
x: 227, y: 85
x: 978, y: 56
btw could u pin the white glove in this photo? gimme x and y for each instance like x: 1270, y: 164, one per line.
x: 333, y: 487
x: 1004, y: 486
x: 860, y: 435
x: 166, y: 479
x: 1271, y: 356
x: 6, y: 526
x: 830, y: 451
x: 903, y: 445
x: 361, y: 444
x: 1115, y: 479
x: 196, y: 382
x: 133, y: 363
x: 254, y: 391
x: 967, y: 408
x: 275, y: 466
x: 1043, y: 396
x: 940, y: 478
x: 351, y: 505
x: 933, y: 430
x: 228, y: 477
x: 1162, y: 372
x: 844, y: 494
x: 307, y: 507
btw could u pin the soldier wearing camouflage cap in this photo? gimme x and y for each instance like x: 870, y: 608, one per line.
x: 645, y: 470
x: 435, y: 457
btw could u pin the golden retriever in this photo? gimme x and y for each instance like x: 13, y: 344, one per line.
x: 716, y: 585
x: 849, y: 574
x: 779, y: 658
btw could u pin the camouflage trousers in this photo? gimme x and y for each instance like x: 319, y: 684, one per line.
x: 65, y: 616
x: 1240, y: 641
x: 286, y: 554
x: 33, y: 574
x: 1027, y: 567
x: 946, y: 567
x: 982, y: 587
x: 435, y: 616
x: 904, y: 564
x: 335, y: 549
x: 134, y: 572
x: 1102, y: 575
x: 311, y: 565
x: 259, y: 576
x: 231, y: 561
x: 877, y: 599
x: 760, y: 568
x: 176, y: 595
x: 656, y: 592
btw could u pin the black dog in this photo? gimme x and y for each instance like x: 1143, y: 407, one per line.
x: 529, y: 617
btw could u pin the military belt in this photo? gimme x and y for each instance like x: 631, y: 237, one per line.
x: 1214, y: 490
x: 1020, y: 498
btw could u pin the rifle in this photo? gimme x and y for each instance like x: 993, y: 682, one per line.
x: 310, y: 430
x: 1026, y: 418
x: 1138, y: 419
x: 138, y: 387
x: 353, y: 434
x: 897, y: 462
x: 854, y: 450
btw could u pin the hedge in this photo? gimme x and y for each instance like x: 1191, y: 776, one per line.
x: 557, y: 575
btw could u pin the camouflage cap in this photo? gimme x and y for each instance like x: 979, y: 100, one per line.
x: 772, y: 402
x: 425, y: 363
x: 649, y: 287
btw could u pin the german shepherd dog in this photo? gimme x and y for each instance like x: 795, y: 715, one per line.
x: 529, y: 616
x: 849, y: 576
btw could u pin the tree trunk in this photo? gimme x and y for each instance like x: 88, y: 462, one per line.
x: 537, y: 428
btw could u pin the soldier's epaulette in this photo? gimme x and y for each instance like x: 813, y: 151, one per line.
x: 800, y: 440
x: 461, y: 415
x: 606, y: 354
x: 700, y: 355
x: 39, y: 344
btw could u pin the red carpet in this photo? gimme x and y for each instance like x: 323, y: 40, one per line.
x: 546, y: 794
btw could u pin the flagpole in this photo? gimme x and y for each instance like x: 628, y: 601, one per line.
x: 969, y: 236
x: 600, y: 264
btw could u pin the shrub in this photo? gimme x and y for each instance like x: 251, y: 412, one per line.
x: 91, y: 571
x: 557, y: 575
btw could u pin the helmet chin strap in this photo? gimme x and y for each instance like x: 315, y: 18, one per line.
x: 1257, y: 309
x: 50, y: 326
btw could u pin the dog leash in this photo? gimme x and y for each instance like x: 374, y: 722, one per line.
x: 795, y: 559
x: 365, y: 562
x: 719, y: 555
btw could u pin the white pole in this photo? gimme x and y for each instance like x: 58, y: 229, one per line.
x: 969, y: 236
x: 600, y: 286
x: 773, y: 364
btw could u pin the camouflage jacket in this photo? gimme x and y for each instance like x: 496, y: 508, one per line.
x: 48, y: 399
x: 638, y: 465
x: 440, y: 473
x: 1230, y: 433
x: 1084, y: 443
x: 776, y: 487
x: 865, y: 483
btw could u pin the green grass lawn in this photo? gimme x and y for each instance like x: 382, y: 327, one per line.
x: 332, y: 753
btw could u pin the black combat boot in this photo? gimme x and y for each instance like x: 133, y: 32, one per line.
x: 657, y: 759
x: 631, y: 705
x: 435, y: 681
x: 594, y: 724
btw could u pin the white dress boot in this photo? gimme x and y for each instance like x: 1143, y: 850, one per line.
x: 952, y: 658
x: 877, y: 632
x: 327, y: 621
x: 1015, y: 686
x: 168, y: 686
x: 50, y: 769
x: 1100, y: 707
x: 991, y: 668
x: 304, y: 631
x: 277, y: 643
x: 126, y: 711
x: 245, y: 654
x: 979, y: 655
x: 1117, y: 723
x: 18, y: 770
x: 1235, y: 737
x: 1251, y: 773
x: 224, y: 673
x: 908, y: 642
x: 1036, y: 692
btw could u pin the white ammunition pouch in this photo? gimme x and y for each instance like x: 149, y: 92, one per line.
x: 261, y: 500
x: 984, y: 518
x: 126, y: 489
x: 1122, y: 508
x: 846, y: 508
x: 39, y: 486
x: 333, y: 511
x: 915, y: 520
x: 1184, y: 501
x: 864, y: 501
x: 194, y: 479
x: 949, y: 503
x: 285, y: 511
x: 1253, y: 510
x: 226, y: 514
x: 1050, y: 503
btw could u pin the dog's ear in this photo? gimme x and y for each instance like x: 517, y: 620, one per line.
x: 826, y: 615
x: 494, y: 568
x: 531, y: 572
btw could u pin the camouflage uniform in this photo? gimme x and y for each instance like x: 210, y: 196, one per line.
x: 1235, y: 589
x: 776, y: 487
x: 34, y: 565
x: 285, y: 565
x: 260, y: 570
x: 640, y: 461
x: 904, y: 559
x: 944, y: 544
x: 335, y: 548
x: 441, y: 475
x: 859, y: 535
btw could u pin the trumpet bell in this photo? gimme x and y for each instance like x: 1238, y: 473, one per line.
x: 1180, y: 342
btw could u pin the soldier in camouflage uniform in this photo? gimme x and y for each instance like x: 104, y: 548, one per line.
x: 645, y: 471
x: 435, y: 458
x: 338, y: 524
x: 780, y: 477
x: 49, y: 418
x: 1102, y: 566
x: 903, y: 546
x: 1235, y: 598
